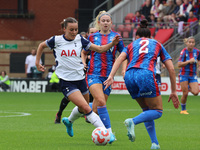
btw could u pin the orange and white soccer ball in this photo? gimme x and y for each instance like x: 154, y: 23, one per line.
x: 100, y: 136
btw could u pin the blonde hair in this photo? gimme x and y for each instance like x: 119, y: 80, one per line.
x: 101, y: 13
x: 185, y: 40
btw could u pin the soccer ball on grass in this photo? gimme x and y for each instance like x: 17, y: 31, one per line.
x: 100, y: 136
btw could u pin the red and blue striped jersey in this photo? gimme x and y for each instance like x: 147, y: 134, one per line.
x: 143, y: 53
x: 185, y: 55
x: 100, y: 64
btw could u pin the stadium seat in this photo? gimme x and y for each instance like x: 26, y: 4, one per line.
x: 128, y: 28
x: 127, y: 21
x: 113, y: 27
x: 120, y: 28
x: 125, y: 34
x: 152, y: 31
x: 129, y: 16
x: 163, y: 35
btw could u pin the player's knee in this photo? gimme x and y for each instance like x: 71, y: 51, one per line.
x: 159, y: 113
x: 85, y: 109
x: 196, y: 93
x: 101, y: 102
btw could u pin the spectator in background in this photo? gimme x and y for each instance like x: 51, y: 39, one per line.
x: 157, y: 8
x: 169, y: 9
x: 183, y: 16
x: 191, y: 1
x: 161, y: 1
x: 169, y: 18
x: 146, y: 9
x: 136, y: 22
x: 172, y: 21
x: 184, y: 10
x: 137, y: 18
x: 195, y: 8
x: 159, y: 24
x: 4, y: 82
x: 164, y: 2
x: 177, y: 8
x: 30, y: 62
x: 152, y: 21
x: 193, y: 24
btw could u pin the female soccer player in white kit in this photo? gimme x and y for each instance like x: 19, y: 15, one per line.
x: 69, y: 68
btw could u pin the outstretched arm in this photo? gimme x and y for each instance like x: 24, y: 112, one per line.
x: 173, y: 96
x: 115, y: 67
x: 38, y: 56
x: 104, y: 48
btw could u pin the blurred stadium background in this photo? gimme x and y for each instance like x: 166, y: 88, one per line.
x: 25, y: 23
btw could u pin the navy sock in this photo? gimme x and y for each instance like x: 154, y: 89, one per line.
x: 103, y: 114
x: 63, y: 105
x: 147, y: 115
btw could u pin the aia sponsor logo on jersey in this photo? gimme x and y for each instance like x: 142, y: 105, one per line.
x: 68, y: 53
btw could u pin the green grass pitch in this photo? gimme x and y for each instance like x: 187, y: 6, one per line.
x: 37, y: 131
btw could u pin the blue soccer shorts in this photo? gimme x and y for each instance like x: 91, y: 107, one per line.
x: 93, y: 79
x: 141, y: 83
x: 190, y: 79
x: 69, y: 87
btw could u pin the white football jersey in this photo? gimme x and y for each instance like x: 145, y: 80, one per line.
x: 67, y: 54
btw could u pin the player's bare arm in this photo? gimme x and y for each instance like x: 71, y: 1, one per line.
x: 84, y: 57
x: 38, y: 56
x: 104, y: 48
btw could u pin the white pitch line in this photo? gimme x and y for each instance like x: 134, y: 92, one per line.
x: 18, y: 114
x: 114, y: 110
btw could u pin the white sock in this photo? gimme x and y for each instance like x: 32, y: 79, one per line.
x: 95, y: 120
x: 110, y: 130
x: 75, y: 114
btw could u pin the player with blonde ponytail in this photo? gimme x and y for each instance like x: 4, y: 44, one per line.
x: 100, y: 66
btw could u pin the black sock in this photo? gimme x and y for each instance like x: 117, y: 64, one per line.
x: 63, y: 104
